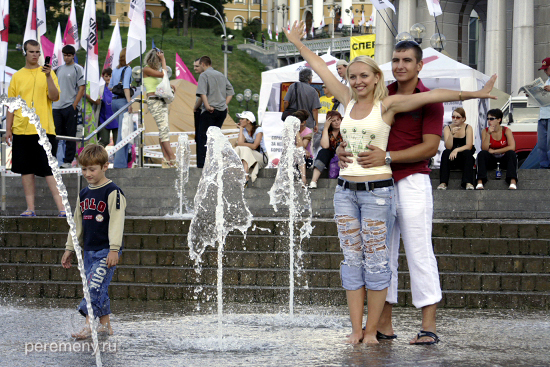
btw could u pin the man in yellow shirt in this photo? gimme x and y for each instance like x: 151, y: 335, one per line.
x: 38, y: 86
x: 326, y: 101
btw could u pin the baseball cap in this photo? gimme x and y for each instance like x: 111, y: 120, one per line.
x: 545, y: 64
x: 342, y: 62
x: 247, y: 115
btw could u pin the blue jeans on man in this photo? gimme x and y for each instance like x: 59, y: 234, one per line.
x: 543, y: 142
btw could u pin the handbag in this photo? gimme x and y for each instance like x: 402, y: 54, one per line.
x: 290, y: 110
x: 164, y: 90
x: 118, y: 90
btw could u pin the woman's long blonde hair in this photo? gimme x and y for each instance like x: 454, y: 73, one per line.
x: 152, y: 60
x: 380, y: 90
x: 122, y: 59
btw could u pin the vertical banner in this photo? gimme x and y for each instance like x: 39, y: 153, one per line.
x: 362, y: 45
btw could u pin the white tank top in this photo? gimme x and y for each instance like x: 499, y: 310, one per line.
x: 372, y: 130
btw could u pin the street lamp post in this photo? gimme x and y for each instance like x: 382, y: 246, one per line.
x: 246, y: 97
x: 283, y: 9
x: 193, y: 11
x: 219, y: 18
x: 333, y: 9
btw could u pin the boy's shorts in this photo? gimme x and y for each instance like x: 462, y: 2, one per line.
x: 99, y: 277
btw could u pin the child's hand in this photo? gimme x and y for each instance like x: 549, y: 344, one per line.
x: 112, y: 259
x: 66, y: 259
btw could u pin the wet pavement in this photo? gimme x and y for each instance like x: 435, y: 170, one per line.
x: 177, y: 334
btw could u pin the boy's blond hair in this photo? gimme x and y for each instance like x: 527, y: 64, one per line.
x: 93, y: 154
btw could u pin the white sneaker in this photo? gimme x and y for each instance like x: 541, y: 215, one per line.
x: 313, y: 185
x: 66, y: 165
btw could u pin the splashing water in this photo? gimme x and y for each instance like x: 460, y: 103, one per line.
x: 18, y: 103
x: 220, y: 191
x: 183, y: 156
x: 287, y: 190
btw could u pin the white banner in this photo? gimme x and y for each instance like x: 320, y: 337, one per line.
x: 273, y: 138
x: 71, y: 30
x: 136, y: 34
x: 36, y: 21
x: 434, y: 7
x: 115, y: 46
x: 382, y: 4
x: 90, y: 43
x: 4, y: 26
x: 170, y: 6
x: 57, y: 55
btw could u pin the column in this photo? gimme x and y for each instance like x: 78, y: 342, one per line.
x: 384, y: 39
x: 481, y: 48
x: 346, y: 17
x: 318, y: 13
x: 495, y: 42
x: 294, y: 11
x: 269, y: 20
x: 523, y: 44
x: 406, y: 15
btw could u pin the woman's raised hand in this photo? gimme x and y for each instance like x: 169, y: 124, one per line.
x: 486, y: 91
x: 297, y: 32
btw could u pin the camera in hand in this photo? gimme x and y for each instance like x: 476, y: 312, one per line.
x: 47, y: 61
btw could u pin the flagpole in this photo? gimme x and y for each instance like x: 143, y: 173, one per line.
x: 140, y: 150
x: 439, y: 33
x: 381, y: 16
x: 85, y: 86
x: 391, y: 21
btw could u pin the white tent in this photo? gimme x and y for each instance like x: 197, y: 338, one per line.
x: 6, y: 78
x: 270, y: 90
x: 441, y: 71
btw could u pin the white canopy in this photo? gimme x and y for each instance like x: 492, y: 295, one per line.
x: 441, y: 71
x: 272, y: 79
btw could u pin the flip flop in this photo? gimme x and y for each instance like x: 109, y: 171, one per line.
x: 381, y: 336
x: 28, y: 213
x: 62, y: 214
x: 423, y: 333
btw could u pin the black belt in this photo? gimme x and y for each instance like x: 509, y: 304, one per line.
x: 365, y: 186
x: 155, y: 97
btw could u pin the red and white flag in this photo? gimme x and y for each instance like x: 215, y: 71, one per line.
x: 434, y: 7
x: 382, y: 4
x: 372, y: 19
x: 89, y: 42
x: 362, y: 22
x: 182, y: 72
x: 321, y: 25
x: 340, y: 23
x: 136, y: 4
x: 136, y: 32
x: 269, y: 31
x: 312, y: 31
x: 71, y: 30
x: 288, y: 26
x: 115, y: 46
x: 57, y: 55
x: 36, y: 21
x: 276, y: 33
x: 4, y: 30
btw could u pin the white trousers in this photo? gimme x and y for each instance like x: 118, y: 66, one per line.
x: 414, y: 224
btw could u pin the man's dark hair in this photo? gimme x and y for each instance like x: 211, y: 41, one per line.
x: 107, y: 71
x: 410, y: 45
x: 305, y: 75
x: 205, y: 60
x: 68, y: 50
x: 197, y: 59
x: 302, y: 115
x: 30, y: 43
x: 496, y: 113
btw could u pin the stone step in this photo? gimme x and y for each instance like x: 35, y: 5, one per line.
x: 276, y: 295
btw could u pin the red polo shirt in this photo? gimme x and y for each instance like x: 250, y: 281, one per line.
x: 408, y: 129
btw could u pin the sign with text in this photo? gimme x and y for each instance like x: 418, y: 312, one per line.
x: 362, y: 45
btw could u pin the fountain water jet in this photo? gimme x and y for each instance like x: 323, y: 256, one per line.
x: 18, y: 103
x: 289, y: 191
x: 183, y: 156
x: 220, y: 190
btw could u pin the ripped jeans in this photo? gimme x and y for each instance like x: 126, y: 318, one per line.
x: 365, y: 220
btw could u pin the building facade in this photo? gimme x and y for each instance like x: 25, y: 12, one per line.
x: 118, y: 9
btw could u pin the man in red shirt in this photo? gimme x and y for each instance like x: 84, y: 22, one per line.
x: 414, y: 139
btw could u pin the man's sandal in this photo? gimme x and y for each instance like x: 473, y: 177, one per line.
x: 424, y: 333
x: 381, y: 336
x: 28, y: 213
x: 62, y: 214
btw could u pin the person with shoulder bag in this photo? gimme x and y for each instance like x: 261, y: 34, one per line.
x: 153, y: 75
x: 121, y: 79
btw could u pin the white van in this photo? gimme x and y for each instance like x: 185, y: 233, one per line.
x: 522, y: 117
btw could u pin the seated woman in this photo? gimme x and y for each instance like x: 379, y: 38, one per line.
x: 329, y: 141
x: 303, y: 139
x: 498, y: 145
x: 250, y: 145
x: 459, y: 151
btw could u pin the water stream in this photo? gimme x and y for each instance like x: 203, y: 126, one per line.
x: 18, y: 103
x: 220, y: 192
x: 288, y: 191
x: 183, y: 156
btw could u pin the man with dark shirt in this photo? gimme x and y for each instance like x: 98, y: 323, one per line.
x: 414, y: 139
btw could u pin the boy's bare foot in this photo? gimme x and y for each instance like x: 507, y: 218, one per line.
x: 354, y: 338
x: 83, y: 334
x: 369, y: 339
x: 104, y: 329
